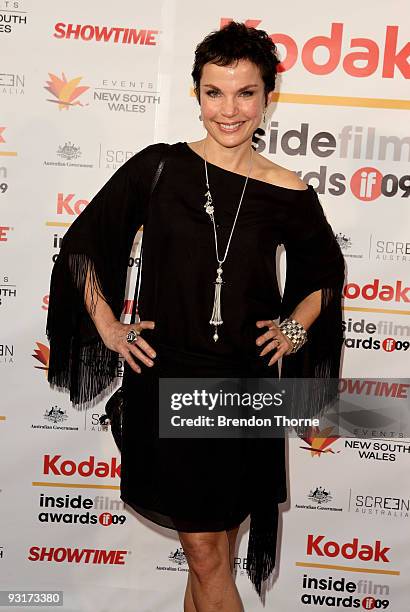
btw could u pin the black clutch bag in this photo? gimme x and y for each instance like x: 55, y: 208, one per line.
x: 114, y: 408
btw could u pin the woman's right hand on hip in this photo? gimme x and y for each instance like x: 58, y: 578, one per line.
x: 115, y: 338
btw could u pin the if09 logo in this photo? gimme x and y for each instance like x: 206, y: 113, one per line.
x: 368, y: 184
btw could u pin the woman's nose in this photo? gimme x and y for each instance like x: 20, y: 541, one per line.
x: 229, y: 108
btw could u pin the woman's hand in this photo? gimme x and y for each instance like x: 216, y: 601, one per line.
x: 278, y: 341
x: 115, y: 338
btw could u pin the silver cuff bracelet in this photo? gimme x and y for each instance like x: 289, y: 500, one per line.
x: 295, y: 332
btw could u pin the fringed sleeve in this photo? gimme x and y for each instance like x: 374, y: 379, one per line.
x: 313, y: 261
x: 96, y: 246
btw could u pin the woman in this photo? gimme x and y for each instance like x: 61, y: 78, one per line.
x: 208, y: 302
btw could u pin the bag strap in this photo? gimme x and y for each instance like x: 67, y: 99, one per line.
x: 137, y: 285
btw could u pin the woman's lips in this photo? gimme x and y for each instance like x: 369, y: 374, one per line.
x: 230, y: 128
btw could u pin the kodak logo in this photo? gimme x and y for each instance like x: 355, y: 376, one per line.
x: 378, y: 291
x: 316, y: 545
x: 67, y: 204
x: 90, y: 467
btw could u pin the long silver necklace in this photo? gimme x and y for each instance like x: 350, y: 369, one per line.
x: 216, y: 318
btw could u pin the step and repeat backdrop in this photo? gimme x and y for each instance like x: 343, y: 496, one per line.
x: 84, y: 86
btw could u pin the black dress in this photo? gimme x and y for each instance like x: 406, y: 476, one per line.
x: 196, y: 484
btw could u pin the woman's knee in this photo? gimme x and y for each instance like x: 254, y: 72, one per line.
x: 206, y: 553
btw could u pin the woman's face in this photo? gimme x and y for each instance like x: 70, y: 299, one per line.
x: 232, y: 101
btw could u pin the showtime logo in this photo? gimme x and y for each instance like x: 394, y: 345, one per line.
x: 77, y: 555
x: 68, y: 205
x: 361, y: 63
x: 350, y: 550
x: 4, y: 230
x: 105, y: 34
x: 376, y: 291
x: 376, y: 388
x: 68, y: 467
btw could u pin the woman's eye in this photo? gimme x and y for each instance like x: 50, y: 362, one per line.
x: 213, y: 93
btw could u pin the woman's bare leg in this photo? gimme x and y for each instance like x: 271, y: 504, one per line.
x: 232, y: 534
x: 189, y: 605
x: 210, y: 585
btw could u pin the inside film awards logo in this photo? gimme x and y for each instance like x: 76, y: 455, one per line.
x: 5, y: 152
x: 65, y: 91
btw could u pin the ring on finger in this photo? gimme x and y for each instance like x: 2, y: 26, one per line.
x: 132, y: 336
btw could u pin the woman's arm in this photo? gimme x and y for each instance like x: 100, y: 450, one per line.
x: 308, y: 310
x: 305, y: 313
x: 88, y: 283
x: 113, y: 333
x: 312, y: 293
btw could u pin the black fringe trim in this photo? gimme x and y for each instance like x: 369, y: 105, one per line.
x: 261, y: 553
x: 82, y: 268
x: 79, y: 360
x: 318, y: 361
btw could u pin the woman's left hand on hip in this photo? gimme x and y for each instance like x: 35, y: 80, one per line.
x: 276, y: 341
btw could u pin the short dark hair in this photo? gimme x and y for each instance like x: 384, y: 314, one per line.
x: 233, y: 42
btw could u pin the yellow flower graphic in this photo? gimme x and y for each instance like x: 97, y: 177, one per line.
x: 66, y: 92
x: 319, y: 440
x: 42, y: 354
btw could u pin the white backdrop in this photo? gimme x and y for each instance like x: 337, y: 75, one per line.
x: 340, y: 119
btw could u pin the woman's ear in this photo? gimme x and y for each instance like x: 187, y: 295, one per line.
x: 269, y: 98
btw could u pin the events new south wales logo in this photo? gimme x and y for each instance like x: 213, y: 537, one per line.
x: 112, y: 94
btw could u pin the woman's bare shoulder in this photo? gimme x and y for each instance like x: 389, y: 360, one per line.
x: 270, y: 172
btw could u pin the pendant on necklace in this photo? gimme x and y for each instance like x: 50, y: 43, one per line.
x: 208, y: 204
x: 216, y: 318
